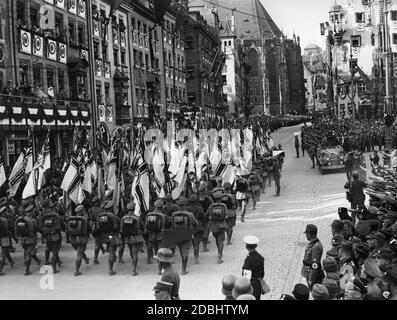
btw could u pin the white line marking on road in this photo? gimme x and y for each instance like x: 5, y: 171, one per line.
x: 300, y: 218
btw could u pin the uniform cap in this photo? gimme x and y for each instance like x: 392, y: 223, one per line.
x: 218, y: 189
x: 242, y: 286
x: 182, y: 201
x: 333, y: 253
x: 333, y: 276
x: 168, y: 197
x: 217, y: 195
x: 363, y: 228
x: 371, y: 268
x: 378, y: 236
x: 193, y: 197
x: 164, y: 255
x: 79, y: 208
x: 337, y: 224
x: 320, y: 292
x: 337, y: 240
x: 159, y: 203
x: 131, y: 206
x: 228, y: 284
x: 346, y: 245
x: 227, y: 185
x: 332, y: 286
x: 330, y: 264
x: 362, y: 248
x: 385, y: 253
x: 301, y: 292
x: 163, y: 286
x: 311, y: 229
x: 246, y: 297
x: 251, y: 240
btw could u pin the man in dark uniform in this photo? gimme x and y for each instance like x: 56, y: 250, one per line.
x: 254, y: 265
x: 95, y: 211
x: 199, y: 214
x: 132, y: 229
x: 231, y: 204
x: 217, y: 213
x: 384, y: 258
x: 205, y: 200
x: 5, y: 240
x: 26, y: 227
x: 51, y: 227
x: 311, y: 269
x: 184, y: 219
x: 77, y: 233
x: 276, y: 176
x: 297, y: 145
x: 109, y: 228
x: 254, y: 186
x: 155, y: 224
x: 169, y: 274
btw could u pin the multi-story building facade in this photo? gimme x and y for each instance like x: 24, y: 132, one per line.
x: 204, y: 62
x: 352, y: 50
x: 174, y: 66
x: 46, y: 64
x: 147, y: 59
x: 111, y: 57
x: 315, y: 78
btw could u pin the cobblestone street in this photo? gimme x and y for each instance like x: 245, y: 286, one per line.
x: 306, y: 197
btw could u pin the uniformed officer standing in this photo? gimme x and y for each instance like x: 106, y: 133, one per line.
x: 169, y: 274
x: 254, y: 265
x: 51, y: 227
x: 276, y: 176
x: 217, y: 213
x: 26, y: 227
x: 155, y: 224
x: 242, y: 189
x: 132, y: 229
x: 231, y: 204
x: 78, y: 233
x: 185, y: 220
x: 311, y: 269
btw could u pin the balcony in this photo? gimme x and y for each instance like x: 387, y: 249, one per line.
x: 123, y: 114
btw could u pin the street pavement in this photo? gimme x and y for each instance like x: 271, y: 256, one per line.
x: 306, y: 197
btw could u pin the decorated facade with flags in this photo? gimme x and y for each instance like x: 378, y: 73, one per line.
x: 49, y: 85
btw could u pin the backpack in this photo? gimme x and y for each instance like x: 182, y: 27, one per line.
x: 77, y: 226
x: 218, y: 212
x: 130, y: 226
x: 23, y: 228
x: 241, y: 185
x: 253, y: 180
x: 180, y: 220
x: 153, y: 223
x: 3, y: 227
x: 105, y: 224
x: 50, y: 224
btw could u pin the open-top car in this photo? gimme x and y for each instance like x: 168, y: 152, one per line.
x: 331, y: 158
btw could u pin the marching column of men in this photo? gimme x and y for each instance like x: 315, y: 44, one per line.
x: 212, y: 210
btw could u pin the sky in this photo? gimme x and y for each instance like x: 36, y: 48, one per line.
x: 303, y: 16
